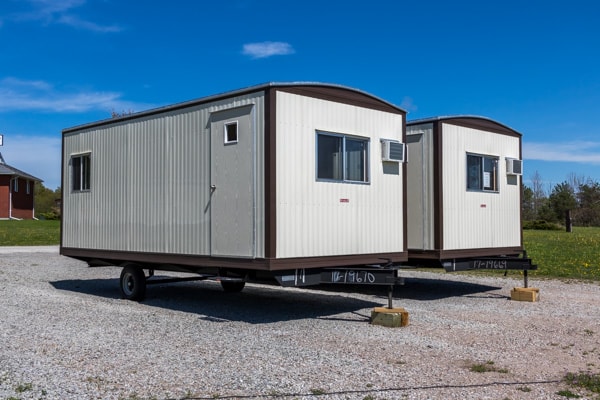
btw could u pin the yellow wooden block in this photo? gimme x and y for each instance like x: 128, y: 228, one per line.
x: 389, y: 317
x: 525, y: 294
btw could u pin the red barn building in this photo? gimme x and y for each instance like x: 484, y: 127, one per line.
x: 16, y: 192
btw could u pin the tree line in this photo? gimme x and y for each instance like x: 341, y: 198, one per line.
x: 576, y: 197
x: 47, y: 202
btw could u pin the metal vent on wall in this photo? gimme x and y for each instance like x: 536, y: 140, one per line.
x: 393, y: 150
x: 514, y: 166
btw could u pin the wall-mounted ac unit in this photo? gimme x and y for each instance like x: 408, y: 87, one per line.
x: 393, y: 151
x: 514, y: 166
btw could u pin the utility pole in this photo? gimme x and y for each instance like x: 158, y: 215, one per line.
x: 1, y: 143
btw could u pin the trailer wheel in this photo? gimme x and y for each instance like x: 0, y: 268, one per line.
x: 233, y: 286
x: 133, y: 283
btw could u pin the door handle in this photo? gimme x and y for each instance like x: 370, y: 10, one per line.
x: 213, y: 188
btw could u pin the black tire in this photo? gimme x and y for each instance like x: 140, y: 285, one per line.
x: 233, y: 286
x: 133, y: 283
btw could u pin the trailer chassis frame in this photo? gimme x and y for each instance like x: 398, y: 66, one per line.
x: 500, y: 263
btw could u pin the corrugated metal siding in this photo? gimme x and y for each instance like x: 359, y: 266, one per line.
x: 478, y: 219
x: 420, y: 187
x: 311, y: 220
x: 150, y: 184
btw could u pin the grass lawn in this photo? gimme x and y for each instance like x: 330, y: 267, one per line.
x: 560, y: 254
x: 29, y: 233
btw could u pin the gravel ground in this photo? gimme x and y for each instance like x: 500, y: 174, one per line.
x: 66, y: 334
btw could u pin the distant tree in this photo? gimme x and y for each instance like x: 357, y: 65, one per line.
x: 579, y: 194
x: 46, y: 201
x: 546, y: 213
x: 588, y: 199
x: 539, y: 195
x: 528, y: 205
x: 575, y: 180
x: 116, y: 114
x: 562, y: 199
x: 588, y: 194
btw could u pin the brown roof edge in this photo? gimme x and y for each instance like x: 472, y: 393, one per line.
x: 470, y: 121
x: 314, y: 89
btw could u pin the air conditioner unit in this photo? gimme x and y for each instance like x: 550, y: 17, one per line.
x: 514, y: 166
x: 393, y: 151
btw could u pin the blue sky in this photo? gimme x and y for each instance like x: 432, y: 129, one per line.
x: 531, y: 65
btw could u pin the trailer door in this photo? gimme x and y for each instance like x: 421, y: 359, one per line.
x: 232, y: 200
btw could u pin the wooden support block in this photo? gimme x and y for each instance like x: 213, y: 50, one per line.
x: 525, y: 294
x: 389, y: 317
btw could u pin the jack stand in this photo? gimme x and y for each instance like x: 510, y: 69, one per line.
x: 390, y: 316
x: 390, y: 296
x: 525, y: 293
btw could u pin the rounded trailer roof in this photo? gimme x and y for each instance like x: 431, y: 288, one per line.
x: 475, y: 121
x: 286, y: 86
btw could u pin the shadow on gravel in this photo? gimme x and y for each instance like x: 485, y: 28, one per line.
x: 422, y: 289
x: 108, y: 288
x: 256, y: 304
x: 436, y: 289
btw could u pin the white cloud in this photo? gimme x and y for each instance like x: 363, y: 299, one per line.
x: 22, y: 95
x: 78, y: 23
x: 576, y: 151
x: 267, y: 49
x: 61, y: 12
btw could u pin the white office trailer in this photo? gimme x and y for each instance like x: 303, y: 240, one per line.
x: 464, y: 193
x: 291, y: 180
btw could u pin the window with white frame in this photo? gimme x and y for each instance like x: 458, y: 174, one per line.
x: 81, y: 172
x: 342, y: 158
x: 28, y: 187
x: 230, y: 134
x: 482, y: 173
x: 15, y: 185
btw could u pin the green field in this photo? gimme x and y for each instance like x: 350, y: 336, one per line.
x: 29, y: 233
x: 558, y: 254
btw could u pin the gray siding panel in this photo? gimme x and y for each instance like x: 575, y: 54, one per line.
x: 420, y: 182
x: 150, y: 184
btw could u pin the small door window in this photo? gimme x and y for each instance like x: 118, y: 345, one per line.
x: 231, y: 133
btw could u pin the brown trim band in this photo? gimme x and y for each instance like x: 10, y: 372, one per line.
x: 337, y: 261
x: 463, y: 253
x: 118, y: 257
x: 404, y: 190
x: 343, y: 96
x: 480, y: 123
x: 438, y: 187
x: 192, y: 262
x: 270, y: 173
